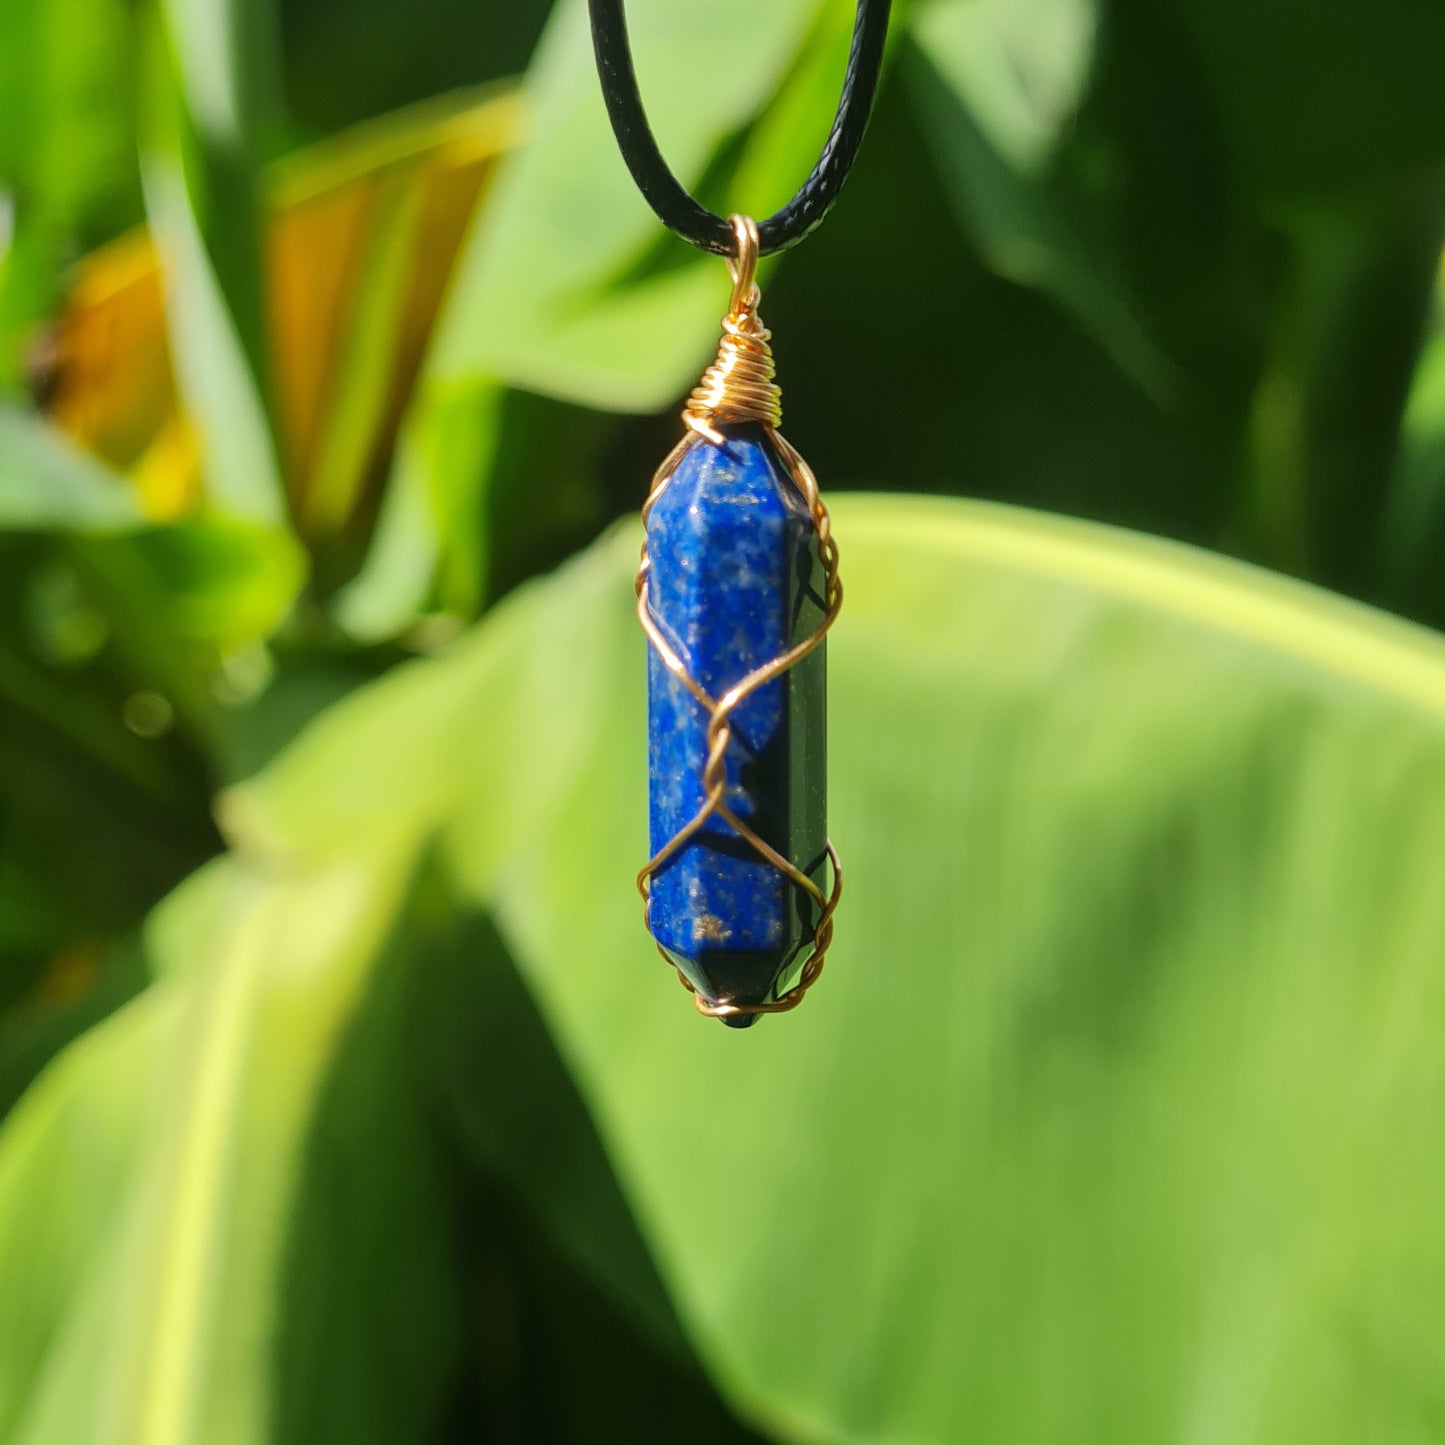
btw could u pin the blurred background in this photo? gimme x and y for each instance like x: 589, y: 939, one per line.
x: 341, y: 1098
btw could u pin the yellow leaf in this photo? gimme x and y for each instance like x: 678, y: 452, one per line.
x: 343, y: 358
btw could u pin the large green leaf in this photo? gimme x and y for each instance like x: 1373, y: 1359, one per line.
x: 574, y: 1324
x: 66, y: 1156
x: 1113, y: 1117
x: 151, y: 1322
x: 233, y: 1213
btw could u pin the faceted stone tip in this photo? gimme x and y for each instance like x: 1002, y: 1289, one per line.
x: 740, y: 1021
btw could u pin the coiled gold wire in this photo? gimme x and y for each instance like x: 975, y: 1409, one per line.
x: 739, y: 387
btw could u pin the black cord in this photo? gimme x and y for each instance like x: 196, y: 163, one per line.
x: 664, y: 192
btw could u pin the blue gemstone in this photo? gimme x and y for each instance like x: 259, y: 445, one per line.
x: 735, y: 581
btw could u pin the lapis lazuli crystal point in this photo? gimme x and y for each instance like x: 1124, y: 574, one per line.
x: 734, y: 582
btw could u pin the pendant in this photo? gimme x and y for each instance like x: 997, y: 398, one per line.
x: 737, y: 588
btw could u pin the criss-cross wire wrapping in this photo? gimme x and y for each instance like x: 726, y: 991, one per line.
x: 739, y: 387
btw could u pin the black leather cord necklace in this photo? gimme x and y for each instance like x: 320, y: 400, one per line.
x: 677, y: 210
x: 737, y: 588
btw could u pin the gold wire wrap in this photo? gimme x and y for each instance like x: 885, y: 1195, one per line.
x: 739, y: 387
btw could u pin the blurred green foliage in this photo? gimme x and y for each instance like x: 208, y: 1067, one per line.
x: 342, y: 1096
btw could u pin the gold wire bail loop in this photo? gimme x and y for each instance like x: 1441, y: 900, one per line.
x: 743, y: 267
x: 739, y: 385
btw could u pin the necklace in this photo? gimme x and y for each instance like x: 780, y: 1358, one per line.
x: 737, y: 588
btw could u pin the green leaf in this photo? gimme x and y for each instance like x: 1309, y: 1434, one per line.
x: 300, y: 809
x: 543, y: 297
x: 147, y: 1328
x: 67, y: 1155
x: 577, y: 1318
x: 49, y: 484
x: 1116, y: 1105
x: 998, y: 86
x: 67, y: 164
x: 1413, y: 523
x: 570, y: 288
x: 205, y: 78
x: 520, y: 1117
x: 1329, y: 407
x: 216, y: 580
x: 188, y: 608
x: 370, y: 1301
x: 1023, y: 67
x: 64, y: 128
x: 374, y: 339
x: 233, y: 1212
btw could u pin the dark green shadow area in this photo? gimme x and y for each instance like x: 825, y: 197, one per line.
x: 462, y: 1264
